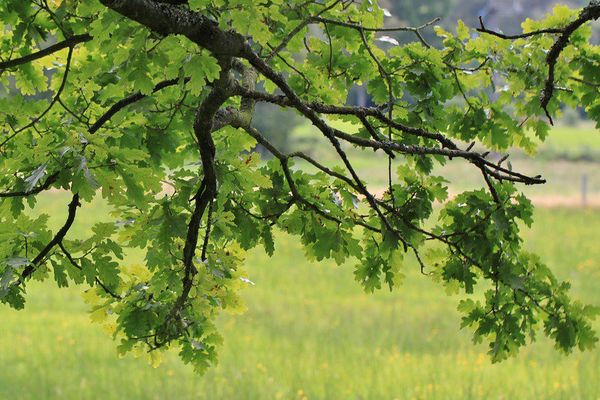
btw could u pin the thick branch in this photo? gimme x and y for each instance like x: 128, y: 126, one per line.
x: 169, y: 19
x: 203, y: 127
x: 359, y: 112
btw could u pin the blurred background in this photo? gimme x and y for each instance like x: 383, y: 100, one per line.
x: 310, y: 332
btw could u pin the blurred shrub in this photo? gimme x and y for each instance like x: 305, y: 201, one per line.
x: 276, y: 124
x: 571, y: 117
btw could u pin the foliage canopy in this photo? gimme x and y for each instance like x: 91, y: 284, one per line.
x: 149, y: 104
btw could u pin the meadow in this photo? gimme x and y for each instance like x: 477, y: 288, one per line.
x: 310, y: 332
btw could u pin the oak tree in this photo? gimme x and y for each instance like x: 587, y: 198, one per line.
x: 149, y: 104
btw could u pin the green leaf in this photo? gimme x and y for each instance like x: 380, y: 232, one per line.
x: 201, y: 68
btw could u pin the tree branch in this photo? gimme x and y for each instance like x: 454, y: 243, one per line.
x: 297, y: 29
x: 58, y: 237
x: 169, y: 19
x: 119, y: 105
x: 52, y: 103
x: 501, y: 35
x: 44, y: 186
x: 360, y: 28
x: 67, y: 43
x: 448, y: 149
x: 98, y: 281
x: 203, y: 127
x: 589, y: 13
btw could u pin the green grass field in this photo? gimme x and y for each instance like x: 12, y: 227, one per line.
x: 581, y: 138
x: 310, y: 333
